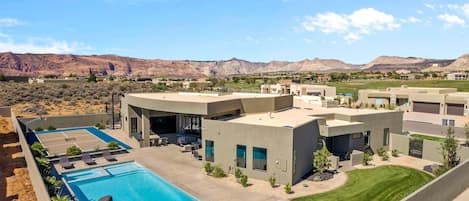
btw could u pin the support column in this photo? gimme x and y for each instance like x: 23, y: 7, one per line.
x: 146, y: 127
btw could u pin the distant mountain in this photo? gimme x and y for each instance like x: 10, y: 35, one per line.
x: 460, y: 64
x: 43, y: 64
x: 391, y: 63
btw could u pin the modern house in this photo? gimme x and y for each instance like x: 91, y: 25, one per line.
x: 262, y: 134
x: 456, y: 76
x: 443, y: 101
x: 299, y: 89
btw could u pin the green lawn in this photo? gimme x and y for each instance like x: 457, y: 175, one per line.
x: 354, y: 86
x: 385, y: 183
x: 426, y: 137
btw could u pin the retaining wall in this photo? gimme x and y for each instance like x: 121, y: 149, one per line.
x: 68, y: 121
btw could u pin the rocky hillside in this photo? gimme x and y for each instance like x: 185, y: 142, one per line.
x: 42, y: 64
x: 460, y: 64
x: 390, y: 63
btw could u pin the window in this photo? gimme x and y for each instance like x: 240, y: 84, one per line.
x: 444, y: 122
x: 367, y: 138
x: 209, y: 151
x: 451, y: 122
x: 241, y: 156
x: 259, y: 157
x: 386, y: 137
x: 133, y: 125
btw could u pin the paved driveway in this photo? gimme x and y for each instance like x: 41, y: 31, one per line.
x: 429, y: 128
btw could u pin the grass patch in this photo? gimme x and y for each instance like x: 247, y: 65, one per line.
x: 385, y: 183
x: 354, y: 86
x: 426, y: 137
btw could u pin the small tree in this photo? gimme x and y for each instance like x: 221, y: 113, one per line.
x: 244, y: 180
x: 449, y: 149
x: 321, y: 159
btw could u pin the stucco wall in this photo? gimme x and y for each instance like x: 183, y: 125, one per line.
x: 5, y: 111
x: 68, y: 121
x: 305, y: 142
x: 277, y: 140
x: 400, y: 142
x: 444, y: 188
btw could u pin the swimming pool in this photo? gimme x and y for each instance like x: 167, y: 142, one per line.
x: 124, y: 182
x: 96, y: 132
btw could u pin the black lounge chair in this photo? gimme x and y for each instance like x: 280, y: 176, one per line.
x: 87, y: 159
x: 65, y: 163
x: 108, y: 156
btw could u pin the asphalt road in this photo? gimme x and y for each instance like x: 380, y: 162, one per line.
x: 428, y: 128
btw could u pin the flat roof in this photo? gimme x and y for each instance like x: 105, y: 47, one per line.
x: 198, y: 97
x: 336, y: 122
x: 290, y: 118
x: 317, y: 110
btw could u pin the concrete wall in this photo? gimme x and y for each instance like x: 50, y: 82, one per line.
x: 5, y: 111
x: 67, y: 121
x: 277, y: 140
x: 36, y: 179
x: 305, y: 142
x: 446, y: 187
x: 400, y: 142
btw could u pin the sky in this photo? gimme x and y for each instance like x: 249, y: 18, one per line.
x: 256, y: 30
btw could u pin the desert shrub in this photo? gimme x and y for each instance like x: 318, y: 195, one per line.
x: 61, y: 198
x: 218, y: 172
x: 367, y: 157
x: 238, y: 173
x: 381, y: 151
x: 39, y: 128
x: 52, y: 184
x: 100, y: 126
x: 395, y: 153
x: 51, y: 128
x: 244, y: 180
x: 43, y: 165
x: 113, y: 145
x: 208, y: 168
x: 73, y: 151
x: 385, y: 156
x: 272, y: 181
x: 439, y: 171
x: 288, y: 188
x: 37, y: 149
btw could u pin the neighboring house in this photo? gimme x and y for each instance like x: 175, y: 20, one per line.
x: 299, y: 89
x: 323, y: 78
x: 443, y: 101
x: 407, y: 76
x: 262, y: 134
x: 456, y: 76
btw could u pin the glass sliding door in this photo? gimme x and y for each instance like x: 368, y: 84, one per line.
x: 192, y: 124
x: 241, y: 156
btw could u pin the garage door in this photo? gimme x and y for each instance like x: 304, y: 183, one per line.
x: 455, y: 109
x: 427, y: 107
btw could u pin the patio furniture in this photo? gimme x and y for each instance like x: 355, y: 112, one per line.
x: 87, y: 159
x: 164, y: 141
x: 155, y: 142
x: 65, y: 163
x: 186, y: 148
x: 196, y: 144
x: 196, y: 155
x: 108, y: 156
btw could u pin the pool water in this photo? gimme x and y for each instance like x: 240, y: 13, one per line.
x: 124, y: 182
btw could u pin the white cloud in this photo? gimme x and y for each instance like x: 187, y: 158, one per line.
x: 41, y: 45
x: 451, y: 20
x: 352, y: 26
x: 8, y: 22
x: 431, y: 6
x: 420, y: 12
x: 465, y: 9
x: 413, y: 19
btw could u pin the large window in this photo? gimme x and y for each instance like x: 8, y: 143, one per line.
x: 241, y: 156
x: 209, y: 151
x: 386, y: 137
x: 259, y: 157
x: 192, y: 124
x: 133, y: 125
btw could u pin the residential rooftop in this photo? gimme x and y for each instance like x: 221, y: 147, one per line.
x: 198, y: 97
x: 290, y: 118
x: 316, y: 110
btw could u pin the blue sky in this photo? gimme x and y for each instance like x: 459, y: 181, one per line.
x: 257, y: 30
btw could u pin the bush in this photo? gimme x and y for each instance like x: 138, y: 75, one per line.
x: 39, y: 129
x: 385, y: 156
x: 381, y: 151
x: 395, y: 153
x: 37, y: 149
x: 43, y: 165
x: 73, y: 151
x: 100, y: 126
x: 51, y: 128
x: 113, y: 145
x: 440, y: 170
x: 61, y: 198
x: 218, y: 172
x: 272, y: 181
x: 208, y: 168
x: 367, y: 157
x: 288, y: 188
x: 244, y: 180
x: 52, y: 184
x: 238, y: 173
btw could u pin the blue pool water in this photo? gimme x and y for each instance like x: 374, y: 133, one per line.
x: 124, y: 182
x: 103, y: 136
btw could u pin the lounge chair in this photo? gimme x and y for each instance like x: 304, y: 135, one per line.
x: 196, y: 155
x: 65, y: 163
x: 87, y: 159
x: 108, y: 156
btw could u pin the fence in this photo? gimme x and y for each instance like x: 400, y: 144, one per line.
x: 446, y: 187
x: 68, y: 121
x: 36, y: 179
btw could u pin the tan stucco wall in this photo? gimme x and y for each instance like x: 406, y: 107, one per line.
x: 400, y: 142
x: 305, y: 142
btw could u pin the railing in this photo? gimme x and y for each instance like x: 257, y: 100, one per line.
x: 40, y: 188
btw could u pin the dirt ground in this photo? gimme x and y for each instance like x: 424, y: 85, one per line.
x: 14, y: 179
x: 58, y: 109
